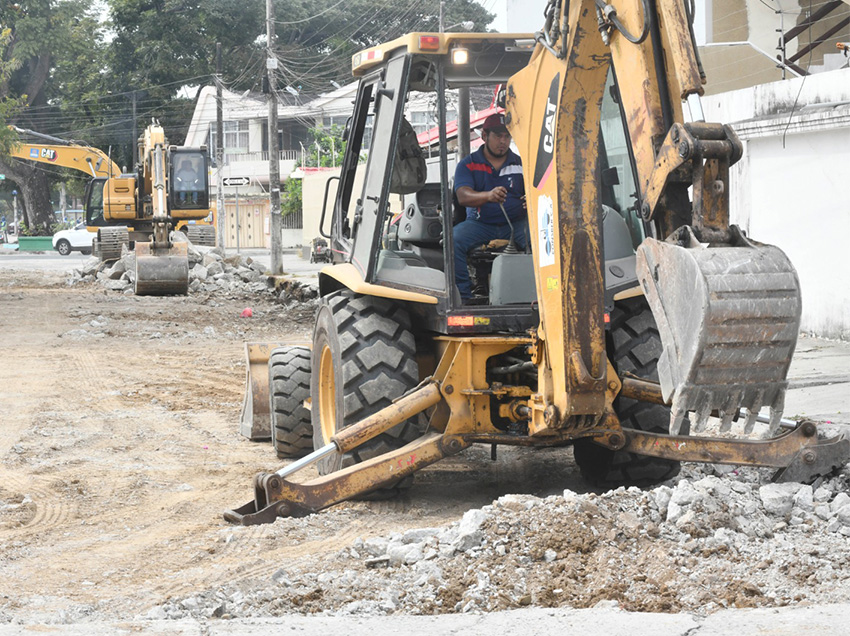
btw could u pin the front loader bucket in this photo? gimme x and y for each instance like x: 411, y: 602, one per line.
x: 162, y: 271
x: 255, y: 420
x: 728, y: 317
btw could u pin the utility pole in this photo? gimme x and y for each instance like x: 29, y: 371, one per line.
x: 462, y: 105
x: 274, y: 146
x: 134, y: 144
x: 219, y: 149
x: 462, y: 122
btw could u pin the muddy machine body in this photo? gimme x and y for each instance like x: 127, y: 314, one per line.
x: 639, y: 323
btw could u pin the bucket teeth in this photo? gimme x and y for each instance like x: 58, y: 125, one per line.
x: 677, y: 419
x: 726, y: 418
x: 728, y: 316
x: 776, y: 411
x: 700, y: 402
x: 751, y: 419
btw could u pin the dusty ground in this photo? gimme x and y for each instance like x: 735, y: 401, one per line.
x: 119, y: 451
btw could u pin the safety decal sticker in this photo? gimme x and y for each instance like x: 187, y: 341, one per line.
x: 546, y: 230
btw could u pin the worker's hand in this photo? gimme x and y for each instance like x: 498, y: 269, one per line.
x: 497, y: 195
x: 524, y: 202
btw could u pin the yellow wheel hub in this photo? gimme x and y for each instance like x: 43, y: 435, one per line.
x: 327, y: 395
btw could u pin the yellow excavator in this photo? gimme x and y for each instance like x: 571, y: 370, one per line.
x: 168, y: 190
x: 642, y: 329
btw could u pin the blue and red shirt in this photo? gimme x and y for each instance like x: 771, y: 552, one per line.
x: 477, y: 173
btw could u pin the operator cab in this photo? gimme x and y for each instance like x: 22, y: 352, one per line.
x: 188, y: 179
x: 393, y: 215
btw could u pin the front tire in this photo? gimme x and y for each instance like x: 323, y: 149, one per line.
x: 364, y: 357
x: 634, y: 347
x: 289, y: 388
x: 63, y: 247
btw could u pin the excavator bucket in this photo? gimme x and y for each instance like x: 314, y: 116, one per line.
x: 162, y: 271
x: 728, y: 317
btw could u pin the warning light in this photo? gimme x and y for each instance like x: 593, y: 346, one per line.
x: 429, y: 42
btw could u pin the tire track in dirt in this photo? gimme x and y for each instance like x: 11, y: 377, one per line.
x: 50, y: 508
x: 97, y: 378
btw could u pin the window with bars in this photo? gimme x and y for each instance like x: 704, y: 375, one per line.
x: 235, y: 136
x: 424, y: 120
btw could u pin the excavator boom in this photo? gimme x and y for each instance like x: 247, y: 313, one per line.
x: 59, y: 152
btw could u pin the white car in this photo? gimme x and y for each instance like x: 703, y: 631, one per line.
x: 77, y: 239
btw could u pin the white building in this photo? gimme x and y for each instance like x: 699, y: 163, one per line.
x: 246, y: 152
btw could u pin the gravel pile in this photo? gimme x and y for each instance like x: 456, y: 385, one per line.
x: 210, y: 271
x: 712, y: 538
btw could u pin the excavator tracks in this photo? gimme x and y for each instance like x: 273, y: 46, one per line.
x: 109, y: 242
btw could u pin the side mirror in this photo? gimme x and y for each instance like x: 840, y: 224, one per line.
x: 346, y: 132
x: 501, y: 96
x: 610, y: 177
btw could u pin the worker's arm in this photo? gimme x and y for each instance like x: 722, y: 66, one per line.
x: 470, y: 198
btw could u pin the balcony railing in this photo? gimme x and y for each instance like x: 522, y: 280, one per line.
x: 238, y: 157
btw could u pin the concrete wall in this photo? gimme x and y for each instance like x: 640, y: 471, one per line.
x: 792, y: 188
x: 313, y: 193
x: 312, y: 197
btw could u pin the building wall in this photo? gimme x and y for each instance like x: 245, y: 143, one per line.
x: 313, y: 194
x: 792, y: 188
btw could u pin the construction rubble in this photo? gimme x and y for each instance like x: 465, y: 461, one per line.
x: 713, y: 538
x: 210, y: 271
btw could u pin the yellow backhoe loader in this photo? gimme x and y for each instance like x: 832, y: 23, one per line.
x: 168, y: 190
x: 642, y: 329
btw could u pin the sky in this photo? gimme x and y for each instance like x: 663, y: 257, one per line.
x: 497, y: 7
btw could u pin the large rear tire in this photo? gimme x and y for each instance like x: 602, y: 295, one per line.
x: 289, y: 388
x: 364, y: 357
x: 634, y: 346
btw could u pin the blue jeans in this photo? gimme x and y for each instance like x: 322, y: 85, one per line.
x: 471, y: 233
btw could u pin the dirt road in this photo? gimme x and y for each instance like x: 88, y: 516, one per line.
x: 120, y: 450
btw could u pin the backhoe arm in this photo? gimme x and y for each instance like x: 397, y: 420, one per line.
x: 727, y: 308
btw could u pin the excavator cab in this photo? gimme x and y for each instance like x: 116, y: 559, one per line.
x: 188, y: 178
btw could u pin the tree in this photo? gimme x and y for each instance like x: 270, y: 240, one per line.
x: 325, y: 147
x: 9, y: 106
x: 316, y: 42
x: 162, y: 46
x: 290, y: 197
x: 45, y: 38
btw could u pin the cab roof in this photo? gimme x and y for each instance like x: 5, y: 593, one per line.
x: 437, y: 44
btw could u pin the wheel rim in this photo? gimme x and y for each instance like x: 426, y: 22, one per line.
x: 64, y: 248
x: 327, y: 395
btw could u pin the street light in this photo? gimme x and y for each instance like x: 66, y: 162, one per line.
x: 466, y: 25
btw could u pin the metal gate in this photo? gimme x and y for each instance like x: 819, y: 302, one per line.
x: 248, y: 228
